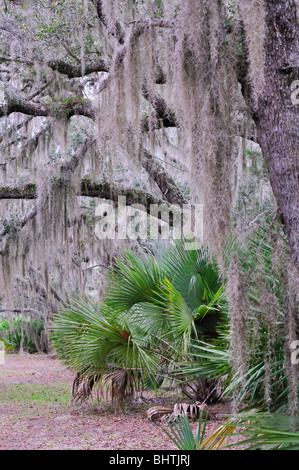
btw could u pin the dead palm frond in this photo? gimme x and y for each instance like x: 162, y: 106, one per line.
x: 190, y: 410
x: 82, y: 387
x: 120, y: 385
x: 157, y: 413
x: 116, y: 386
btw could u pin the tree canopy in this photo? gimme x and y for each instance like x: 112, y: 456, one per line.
x: 161, y: 101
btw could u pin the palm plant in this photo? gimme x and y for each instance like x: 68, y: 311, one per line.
x: 167, y: 316
x: 177, y: 297
x: 212, y: 360
x: 149, y: 315
x: 181, y: 434
x: 102, y: 349
x: 266, y: 367
x: 269, y: 432
x: 258, y: 431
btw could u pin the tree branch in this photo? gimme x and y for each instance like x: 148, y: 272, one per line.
x: 72, y: 71
x: 111, y: 191
x: 165, y: 182
x: 17, y: 104
x: 162, y: 110
x: 103, y: 189
x: 72, y: 164
x: 76, y: 71
x: 116, y: 30
x: 27, y: 217
x: 20, y: 191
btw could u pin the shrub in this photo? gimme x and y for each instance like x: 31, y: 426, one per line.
x: 23, y: 334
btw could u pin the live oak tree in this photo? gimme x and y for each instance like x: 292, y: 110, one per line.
x: 274, y: 113
x: 57, y: 49
x: 140, y: 98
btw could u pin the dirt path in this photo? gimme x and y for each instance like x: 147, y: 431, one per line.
x: 36, y: 412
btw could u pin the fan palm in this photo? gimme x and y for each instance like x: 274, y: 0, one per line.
x: 260, y: 431
x: 176, y: 297
x: 181, y: 434
x: 150, y: 313
x: 212, y: 360
x: 91, y: 341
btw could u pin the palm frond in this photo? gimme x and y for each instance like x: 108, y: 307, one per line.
x: 181, y: 434
x: 120, y: 385
x: 132, y: 280
x: 269, y: 432
x: 87, y: 342
x: 190, y: 272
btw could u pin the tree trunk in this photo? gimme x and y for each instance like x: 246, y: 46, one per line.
x: 277, y: 117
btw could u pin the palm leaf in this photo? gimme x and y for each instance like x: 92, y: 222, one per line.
x: 181, y: 434
x: 268, y: 431
x: 87, y: 342
x: 132, y: 280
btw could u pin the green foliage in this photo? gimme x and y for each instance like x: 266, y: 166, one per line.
x: 4, y: 325
x: 208, y: 361
x: 10, y: 226
x: 92, y: 339
x: 177, y: 290
x: 158, y: 8
x: 266, y: 380
x: 54, y: 156
x: 181, y: 434
x: 57, y: 180
x: 63, y: 107
x: 150, y: 313
x: 268, y: 432
x: 173, y: 309
x: 132, y: 281
x: 22, y: 333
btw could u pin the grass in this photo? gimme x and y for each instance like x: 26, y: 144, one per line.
x: 40, y: 415
x: 58, y: 392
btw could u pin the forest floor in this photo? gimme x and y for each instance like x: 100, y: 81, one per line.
x: 36, y: 412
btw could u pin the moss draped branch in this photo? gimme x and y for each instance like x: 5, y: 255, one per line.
x: 163, y: 179
x: 76, y: 71
x: 71, y: 107
x: 103, y: 189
